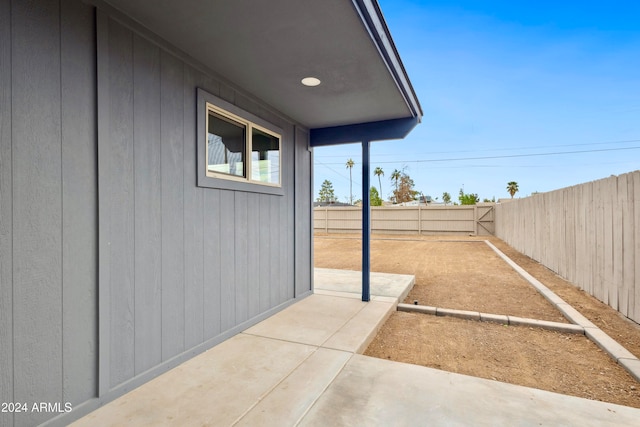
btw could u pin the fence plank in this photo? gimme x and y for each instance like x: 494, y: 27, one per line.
x: 431, y: 220
x: 636, y: 250
x: 609, y: 285
x: 591, y: 237
x: 581, y: 213
x: 589, y: 234
x: 619, y: 245
x: 570, y: 232
x: 599, y: 232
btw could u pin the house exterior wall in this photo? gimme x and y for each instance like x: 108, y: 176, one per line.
x: 48, y: 210
x: 114, y: 265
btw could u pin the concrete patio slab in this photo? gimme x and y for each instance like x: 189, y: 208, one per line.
x: 302, y: 367
x: 382, y: 284
x: 374, y: 392
x: 356, y: 335
x: 293, y: 397
x: 311, y: 321
x: 214, y: 388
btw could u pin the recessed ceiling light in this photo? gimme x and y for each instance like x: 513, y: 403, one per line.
x: 310, y: 81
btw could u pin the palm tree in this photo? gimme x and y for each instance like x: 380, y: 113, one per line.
x: 395, y: 176
x: 512, y: 188
x: 379, y: 172
x: 350, y: 164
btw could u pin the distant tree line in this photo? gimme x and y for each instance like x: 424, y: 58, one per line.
x: 404, y: 189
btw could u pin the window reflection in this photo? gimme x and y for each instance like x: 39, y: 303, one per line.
x: 265, y: 157
x: 225, y: 145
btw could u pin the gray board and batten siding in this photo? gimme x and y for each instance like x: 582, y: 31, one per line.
x: 114, y: 264
x: 48, y: 206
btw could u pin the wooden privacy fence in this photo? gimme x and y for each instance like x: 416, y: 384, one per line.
x: 462, y: 220
x: 589, y: 234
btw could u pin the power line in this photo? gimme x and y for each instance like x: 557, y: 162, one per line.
x: 506, y: 149
x: 336, y: 172
x: 507, y: 156
x: 537, y: 165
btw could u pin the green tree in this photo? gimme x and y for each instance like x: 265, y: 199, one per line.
x: 446, y: 198
x: 468, y: 199
x: 379, y: 172
x: 350, y: 164
x: 326, y: 192
x: 395, y: 176
x: 374, y: 197
x: 512, y: 188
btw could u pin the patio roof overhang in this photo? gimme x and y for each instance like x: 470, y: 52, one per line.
x: 267, y: 48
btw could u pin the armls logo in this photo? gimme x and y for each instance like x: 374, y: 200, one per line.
x: 49, y: 407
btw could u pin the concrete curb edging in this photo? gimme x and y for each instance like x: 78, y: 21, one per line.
x: 566, y: 309
x: 632, y: 366
x: 464, y: 314
x: 545, y: 324
x: 616, y: 351
x: 496, y: 318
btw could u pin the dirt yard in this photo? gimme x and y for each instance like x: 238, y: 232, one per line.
x: 464, y: 273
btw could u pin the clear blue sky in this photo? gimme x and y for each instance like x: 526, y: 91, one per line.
x: 505, y: 86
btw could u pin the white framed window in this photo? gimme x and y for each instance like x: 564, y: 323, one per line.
x: 237, y: 150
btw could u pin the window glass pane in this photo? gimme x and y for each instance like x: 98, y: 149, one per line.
x: 265, y: 157
x: 225, y: 145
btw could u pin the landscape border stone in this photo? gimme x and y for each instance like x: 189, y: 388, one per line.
x: 632, y: 366
x: 608, y: 344
x: 614, y: 349
x: 496, y: 318
x: 463, y: 314
x: 545, y: 324
x: 579, y: 323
